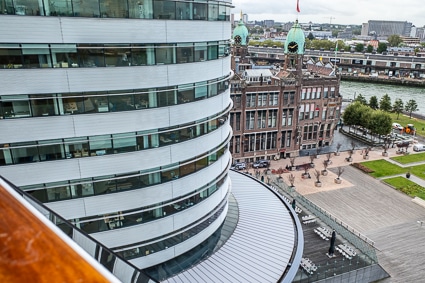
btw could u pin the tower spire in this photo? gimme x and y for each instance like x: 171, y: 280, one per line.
x: 241, y: 16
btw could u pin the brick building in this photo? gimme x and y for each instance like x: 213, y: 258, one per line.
x: 280, y: 110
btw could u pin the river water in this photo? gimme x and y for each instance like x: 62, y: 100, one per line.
x: 349, y: 90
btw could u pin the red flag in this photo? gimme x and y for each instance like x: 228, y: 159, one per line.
x: 298, y: 6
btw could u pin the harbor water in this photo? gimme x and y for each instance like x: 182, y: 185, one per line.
x: 349, y: 90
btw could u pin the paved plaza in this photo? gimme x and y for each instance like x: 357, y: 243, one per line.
x: 386, y: 216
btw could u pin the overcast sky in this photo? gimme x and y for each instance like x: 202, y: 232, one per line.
x: 350, y: 12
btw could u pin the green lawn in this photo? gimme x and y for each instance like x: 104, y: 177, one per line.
x: 406, y: 186
x: 404, y: 120
x: 418, y: 171
x: 383, y: 168
x: 410, y: 158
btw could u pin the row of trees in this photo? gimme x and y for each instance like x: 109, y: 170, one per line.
x: 378, y: 122
x: 385, y: 104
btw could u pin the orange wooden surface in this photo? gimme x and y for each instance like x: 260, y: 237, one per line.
x: 31, y: 252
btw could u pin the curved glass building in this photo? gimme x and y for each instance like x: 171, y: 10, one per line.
x: 114, y: 114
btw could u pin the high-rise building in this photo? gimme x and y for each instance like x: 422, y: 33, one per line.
x: 387, y: 28
x: 114, y: 114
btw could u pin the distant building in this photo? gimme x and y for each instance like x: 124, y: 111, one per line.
x: 365, y: 29
x: 411, y: 40
x: 420, y: 33
x: 346, y: 34
x: 387, y: 28
x: 245, y: 18
x: 319, y: 34
x: 268, y: 23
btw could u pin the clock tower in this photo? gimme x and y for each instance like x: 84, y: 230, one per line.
x: 240, y: 45
x: 294, y: 48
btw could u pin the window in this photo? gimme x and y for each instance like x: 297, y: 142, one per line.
x: 186, y: 93
x: 164, y: 10
x: 201, y: 90
x: 200, y: 11
x: 273, y: 99
x: 250, y: 117
x: 184, y: 11
x: 100, y: 144
x: 284, y: 113
x: 43, y: 106
x: 166, y: 97
x: 64, y: 55
x: 272, y: 118
x: 15, y: 106
x: 113, y: 9
x: 200, y: 52
x: 261, y: 120
x: 262, y: 99
x: 212, y: 50
x: 117, y: 55
x: 164, y: 54
x: 51, y: 150
x: 10, y: 56
x: 36, y: 56
x: 140, y: 9
x: 184, y: 53
x: 238, y: 121
x: 213, y: 12
x: 142, y: 55
x: 91, y: 55
x: 212, y: 88
x: 250, y: 100
x: 290, y: 113
x: 124, y: 142
x: 86, y: 8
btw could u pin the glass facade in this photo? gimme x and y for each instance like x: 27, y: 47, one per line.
x: 70, y: 189
x: 29, y: 56
x: 133, y: 9
x: 122, y: 219
x: 21, y: 106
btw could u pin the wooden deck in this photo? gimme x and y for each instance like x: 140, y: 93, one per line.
x: 384, y: 215
x: 31, y: 251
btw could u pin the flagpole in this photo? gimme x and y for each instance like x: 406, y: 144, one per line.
x: 336, y: 51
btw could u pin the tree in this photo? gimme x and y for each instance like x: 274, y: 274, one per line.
x: 369, y: 49
x: 385, y: 103
x: 310, y: 36
x: 380, y: 123
x: 411, y: 106
x: 373, y: 102
x: 398, y: 106
x: 352, y: 114
x: 360, y: 98
x: 381, y: 47
x: 365, y: 117
x: 394, y: 40
x: 339, y: 172
x: 359, y: 47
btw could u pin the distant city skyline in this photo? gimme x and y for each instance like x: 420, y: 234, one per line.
x: 341, y: 12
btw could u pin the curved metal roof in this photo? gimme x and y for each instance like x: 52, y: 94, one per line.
x: 262, y: 244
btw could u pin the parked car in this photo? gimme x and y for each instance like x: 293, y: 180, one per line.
x: 397, y: 126
x: 239, y: 166
x: 419, y: 147
x: 262, y: 163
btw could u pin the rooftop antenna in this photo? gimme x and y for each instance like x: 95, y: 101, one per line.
x: 330, y: 20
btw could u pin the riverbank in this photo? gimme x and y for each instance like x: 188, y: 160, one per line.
x: 383, y: 80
